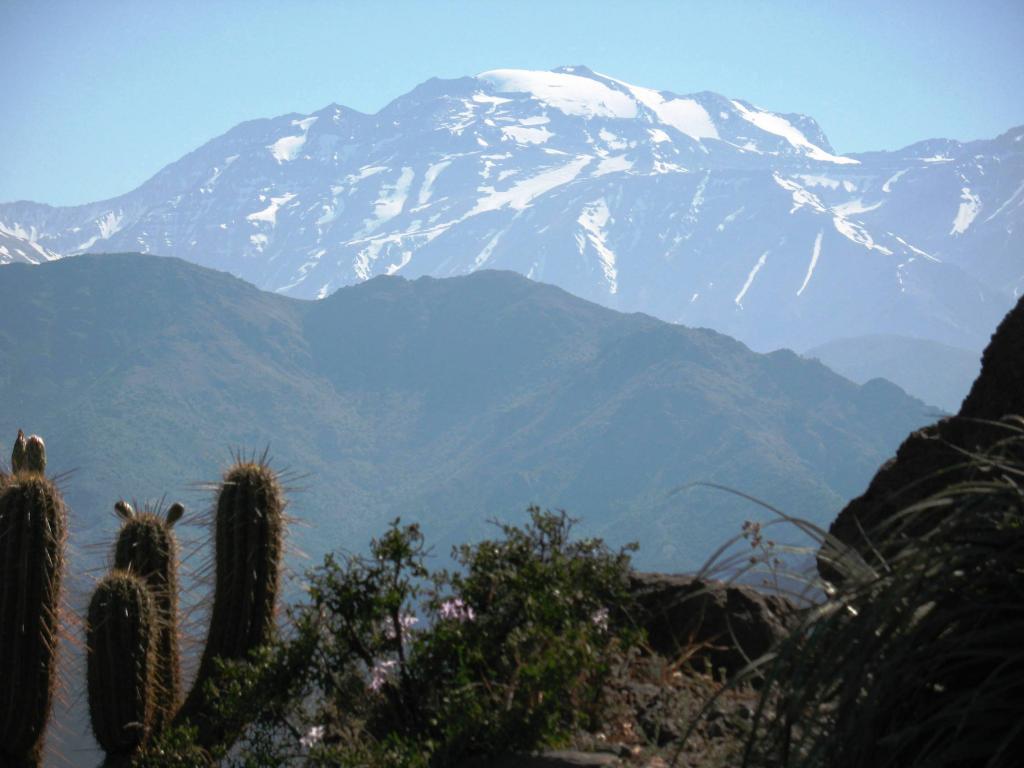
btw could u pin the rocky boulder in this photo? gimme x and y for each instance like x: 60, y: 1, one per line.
x: 725, y: 625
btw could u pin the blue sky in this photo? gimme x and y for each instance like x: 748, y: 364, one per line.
x: 97, y: 96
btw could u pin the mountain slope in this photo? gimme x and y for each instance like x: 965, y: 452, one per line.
x: 448, y: 401
x: 938, y: 374
x: 18, y: 246
x: 697, y: 209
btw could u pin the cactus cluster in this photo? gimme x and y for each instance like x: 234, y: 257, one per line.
x: 132, y: 635
x: 33, y: 529
x: 248, y: 532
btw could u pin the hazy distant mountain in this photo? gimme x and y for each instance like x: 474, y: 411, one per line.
x: 447, y: 401
x: 938, y: 374
x: 17, y: 246
x: 698, y: 209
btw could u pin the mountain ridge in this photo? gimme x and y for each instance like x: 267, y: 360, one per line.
x: 696, y: 209
x: 447, y: 401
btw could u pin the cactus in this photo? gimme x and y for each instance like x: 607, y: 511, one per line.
x: 147, y: 547
x: 33, y: 529
x: 122, y: 636
x: 249, y: 531
x: 29, y: 454
x: 18, y: 454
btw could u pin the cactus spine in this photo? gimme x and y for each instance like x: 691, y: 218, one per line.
x: 123, y: 637
x: 147, y: 547
x: 33, y: 529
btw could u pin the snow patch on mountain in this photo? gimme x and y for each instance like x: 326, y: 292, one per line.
x: 215, y: 174
x: 1008, y: 202
x: 967, y: 212
x: 429, y: 177
x: 855, y: 233
x: 750, y: 279
x: 801, y: 197
x: 523, y: 192
x: 593, y: 220
x: 484, y: 255
x: 391, y: 200
x: 526, y: 135
x: 815, y: 253
x: 483, y: 98
x: 304, y: 269
x: 571, y: 94
x: 685, y: 115
x: 287, y: 148
x: 916, y: 250
x: 887, y: 186
x: 729, y: 219
x: 780, y: 126
x: 616, y: 164
x: 854, y: 207
x: 20, y: 245
x: 812, y: 181
x: 108, y: 225
x: 268, y: 215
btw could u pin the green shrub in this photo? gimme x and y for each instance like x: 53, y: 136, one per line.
x: 390, y: 664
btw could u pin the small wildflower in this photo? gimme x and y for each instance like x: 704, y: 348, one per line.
x: 315, y: 736
x: 379, y: 674
x: 456, y: 609
x: 405, y: 621
x: 600, y: 619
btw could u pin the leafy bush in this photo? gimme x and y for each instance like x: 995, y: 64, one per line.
x: 391, y: 664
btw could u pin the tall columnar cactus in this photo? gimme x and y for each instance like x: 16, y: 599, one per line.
x: 249, y: 532
x: 122, y: 634
x: 146, y: 546
x: 33, y: 529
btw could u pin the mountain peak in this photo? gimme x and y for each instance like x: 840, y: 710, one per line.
x: 700, y: 209
x: 580, y: 92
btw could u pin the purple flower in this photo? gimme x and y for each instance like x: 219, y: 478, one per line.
x: 379, y: 674
x: 457, y: 610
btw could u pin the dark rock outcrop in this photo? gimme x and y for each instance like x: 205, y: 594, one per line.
x: 726, y: 624
x: 935, y: 457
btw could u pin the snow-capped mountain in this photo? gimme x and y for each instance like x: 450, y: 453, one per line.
x: 16, y: 245
x: 698, y: 209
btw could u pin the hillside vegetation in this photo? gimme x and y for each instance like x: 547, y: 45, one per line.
x: 445, y: 402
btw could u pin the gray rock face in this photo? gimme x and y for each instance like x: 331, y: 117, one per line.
x: 697, y: 209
